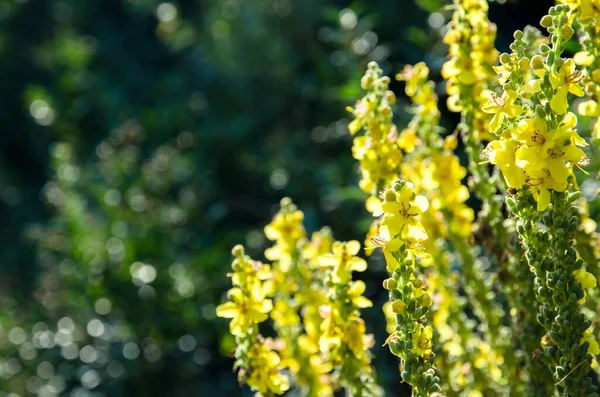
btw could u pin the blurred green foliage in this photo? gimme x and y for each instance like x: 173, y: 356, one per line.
x: 140, y: 140
x: 156, y: 136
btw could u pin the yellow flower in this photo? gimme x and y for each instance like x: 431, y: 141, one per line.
x: 585, y: 9
x: 422, y: 341
x: 588, y: 337
x: 552, y: 150
x: 357, y: 288
x: 502, y: 107
x: 586, y: 279
x: 541, y: 183
x: 344, y: 261
x: 401, y: 210
x: 502, y: 153
x: 564, y: 81
x: 265, y: 376
x: 407, y: 140
x: 244, y: 311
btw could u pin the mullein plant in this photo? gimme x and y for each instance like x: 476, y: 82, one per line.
x: 314, y: 304
x: 537, y: 149
x: 400, y: 235
x: 484, y: 305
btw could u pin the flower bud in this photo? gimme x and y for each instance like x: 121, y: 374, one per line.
x: 366, y: 81
x: 504, y: 58
x: 390, y: 284
x: 537, y: 62
x: 518, y: 35
x: 545, y: 49
x: 390, y: 96
x: 524, y: 64
x: 567, y: 32
x: 238, y: 250
x: 546, y: 21
x: 390, y: 195
x: 450, y: 142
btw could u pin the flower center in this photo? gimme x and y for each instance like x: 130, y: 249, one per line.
x: 537, y: 137
x: 575, y: 77
x: 555, y: 152
x: 497, y: 100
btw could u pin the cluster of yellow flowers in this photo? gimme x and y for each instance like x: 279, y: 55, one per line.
x: 321, y: 337
x: 400, y: 235
x: 433, y: 166
x: 475, y: 308
x: 587, y: 14
x: 377, y: 151
x: 469, y: 71
x: 538, y: 144
x: 248, y: 305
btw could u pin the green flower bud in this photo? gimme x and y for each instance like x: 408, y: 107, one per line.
x: 390, y: 284
x: 390, y: 195
x: 539, y: 111
x: 567, y: 32
x: 524, y: 64
x: 545, y: 49
x: 398, y: 306
x: 237, y: 250
x: 518, y: 35
x: 546, y: 21
x: 365, y: 81
x: 504, y: 58
x: 512, y: 204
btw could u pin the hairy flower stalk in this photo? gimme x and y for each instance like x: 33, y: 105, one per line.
x: 258, y: 364
x: 536, y: 152
x: 328, y: 348
x: 343, y: 339
x: 376, y: 149
x: 315, y: 307
x: 469, y: 74
x: 436, y: 170
x: 400, y: 235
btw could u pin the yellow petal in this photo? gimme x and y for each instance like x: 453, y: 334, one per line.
x: 357, y: 288
x: 422, y: 203
x: 391, y: 207
x: 328, y: 260
x: 353, y: 247
x: 357, y: 264
x: 559, y: 101
x: 583, y: 58
x: 227, y: 310
x: 586, y: 279
x: 361, y: 302
x: 543, y: 200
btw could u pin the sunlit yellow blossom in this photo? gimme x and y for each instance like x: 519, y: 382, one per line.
x: 244, y: 310
x: 267, y: 377
x: 343, y: 260
x: 422, y: 341
x: 501, y: 108
x: 566, y: 80
x: 502, y: 153
x: 402, y: 209
x: 594, y: 348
